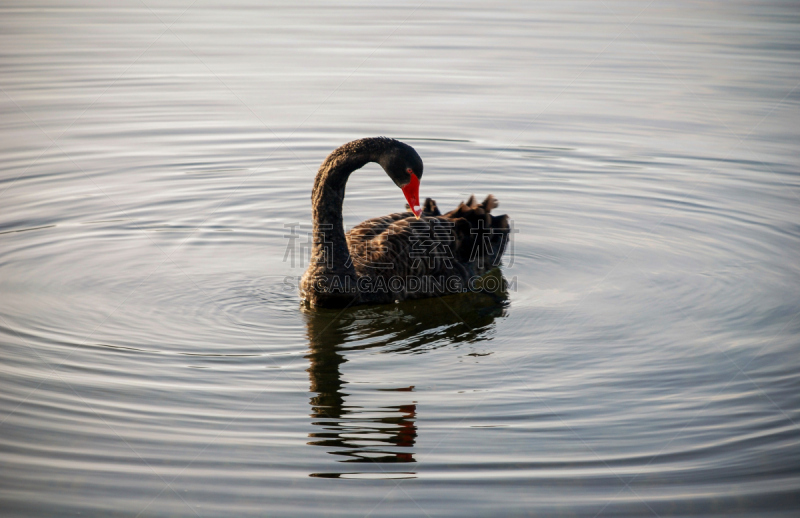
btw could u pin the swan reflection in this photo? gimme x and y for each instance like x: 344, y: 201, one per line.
x: 384, y: 434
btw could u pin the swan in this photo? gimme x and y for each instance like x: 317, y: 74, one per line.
x: 406, y: 255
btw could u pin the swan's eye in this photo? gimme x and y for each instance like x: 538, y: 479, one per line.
x: 410, y: 171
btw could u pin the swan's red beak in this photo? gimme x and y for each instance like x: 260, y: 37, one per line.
x: 411, y: 190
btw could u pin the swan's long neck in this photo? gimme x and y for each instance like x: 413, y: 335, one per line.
x: 327, y: 199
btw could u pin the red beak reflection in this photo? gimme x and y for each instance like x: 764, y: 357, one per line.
x: 411, y: 190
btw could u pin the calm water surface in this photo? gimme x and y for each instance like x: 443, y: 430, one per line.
x: 156, y: 360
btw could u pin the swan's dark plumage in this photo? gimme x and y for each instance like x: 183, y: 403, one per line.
x: 377, y: 261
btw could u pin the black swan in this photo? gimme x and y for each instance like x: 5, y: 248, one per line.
x: 407, y: 255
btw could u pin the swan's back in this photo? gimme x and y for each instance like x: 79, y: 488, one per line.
x: 399, y: 257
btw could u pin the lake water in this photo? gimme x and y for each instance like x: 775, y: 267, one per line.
x: 156, y: 360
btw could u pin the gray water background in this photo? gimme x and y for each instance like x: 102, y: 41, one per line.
x: 156, y: 360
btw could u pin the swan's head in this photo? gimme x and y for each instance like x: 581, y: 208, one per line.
x: 404, y: 167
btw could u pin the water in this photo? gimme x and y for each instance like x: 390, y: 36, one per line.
x: 155, y: 357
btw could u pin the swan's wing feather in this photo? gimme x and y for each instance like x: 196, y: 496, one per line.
x: 432, y: 251
x: 413, y: 250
